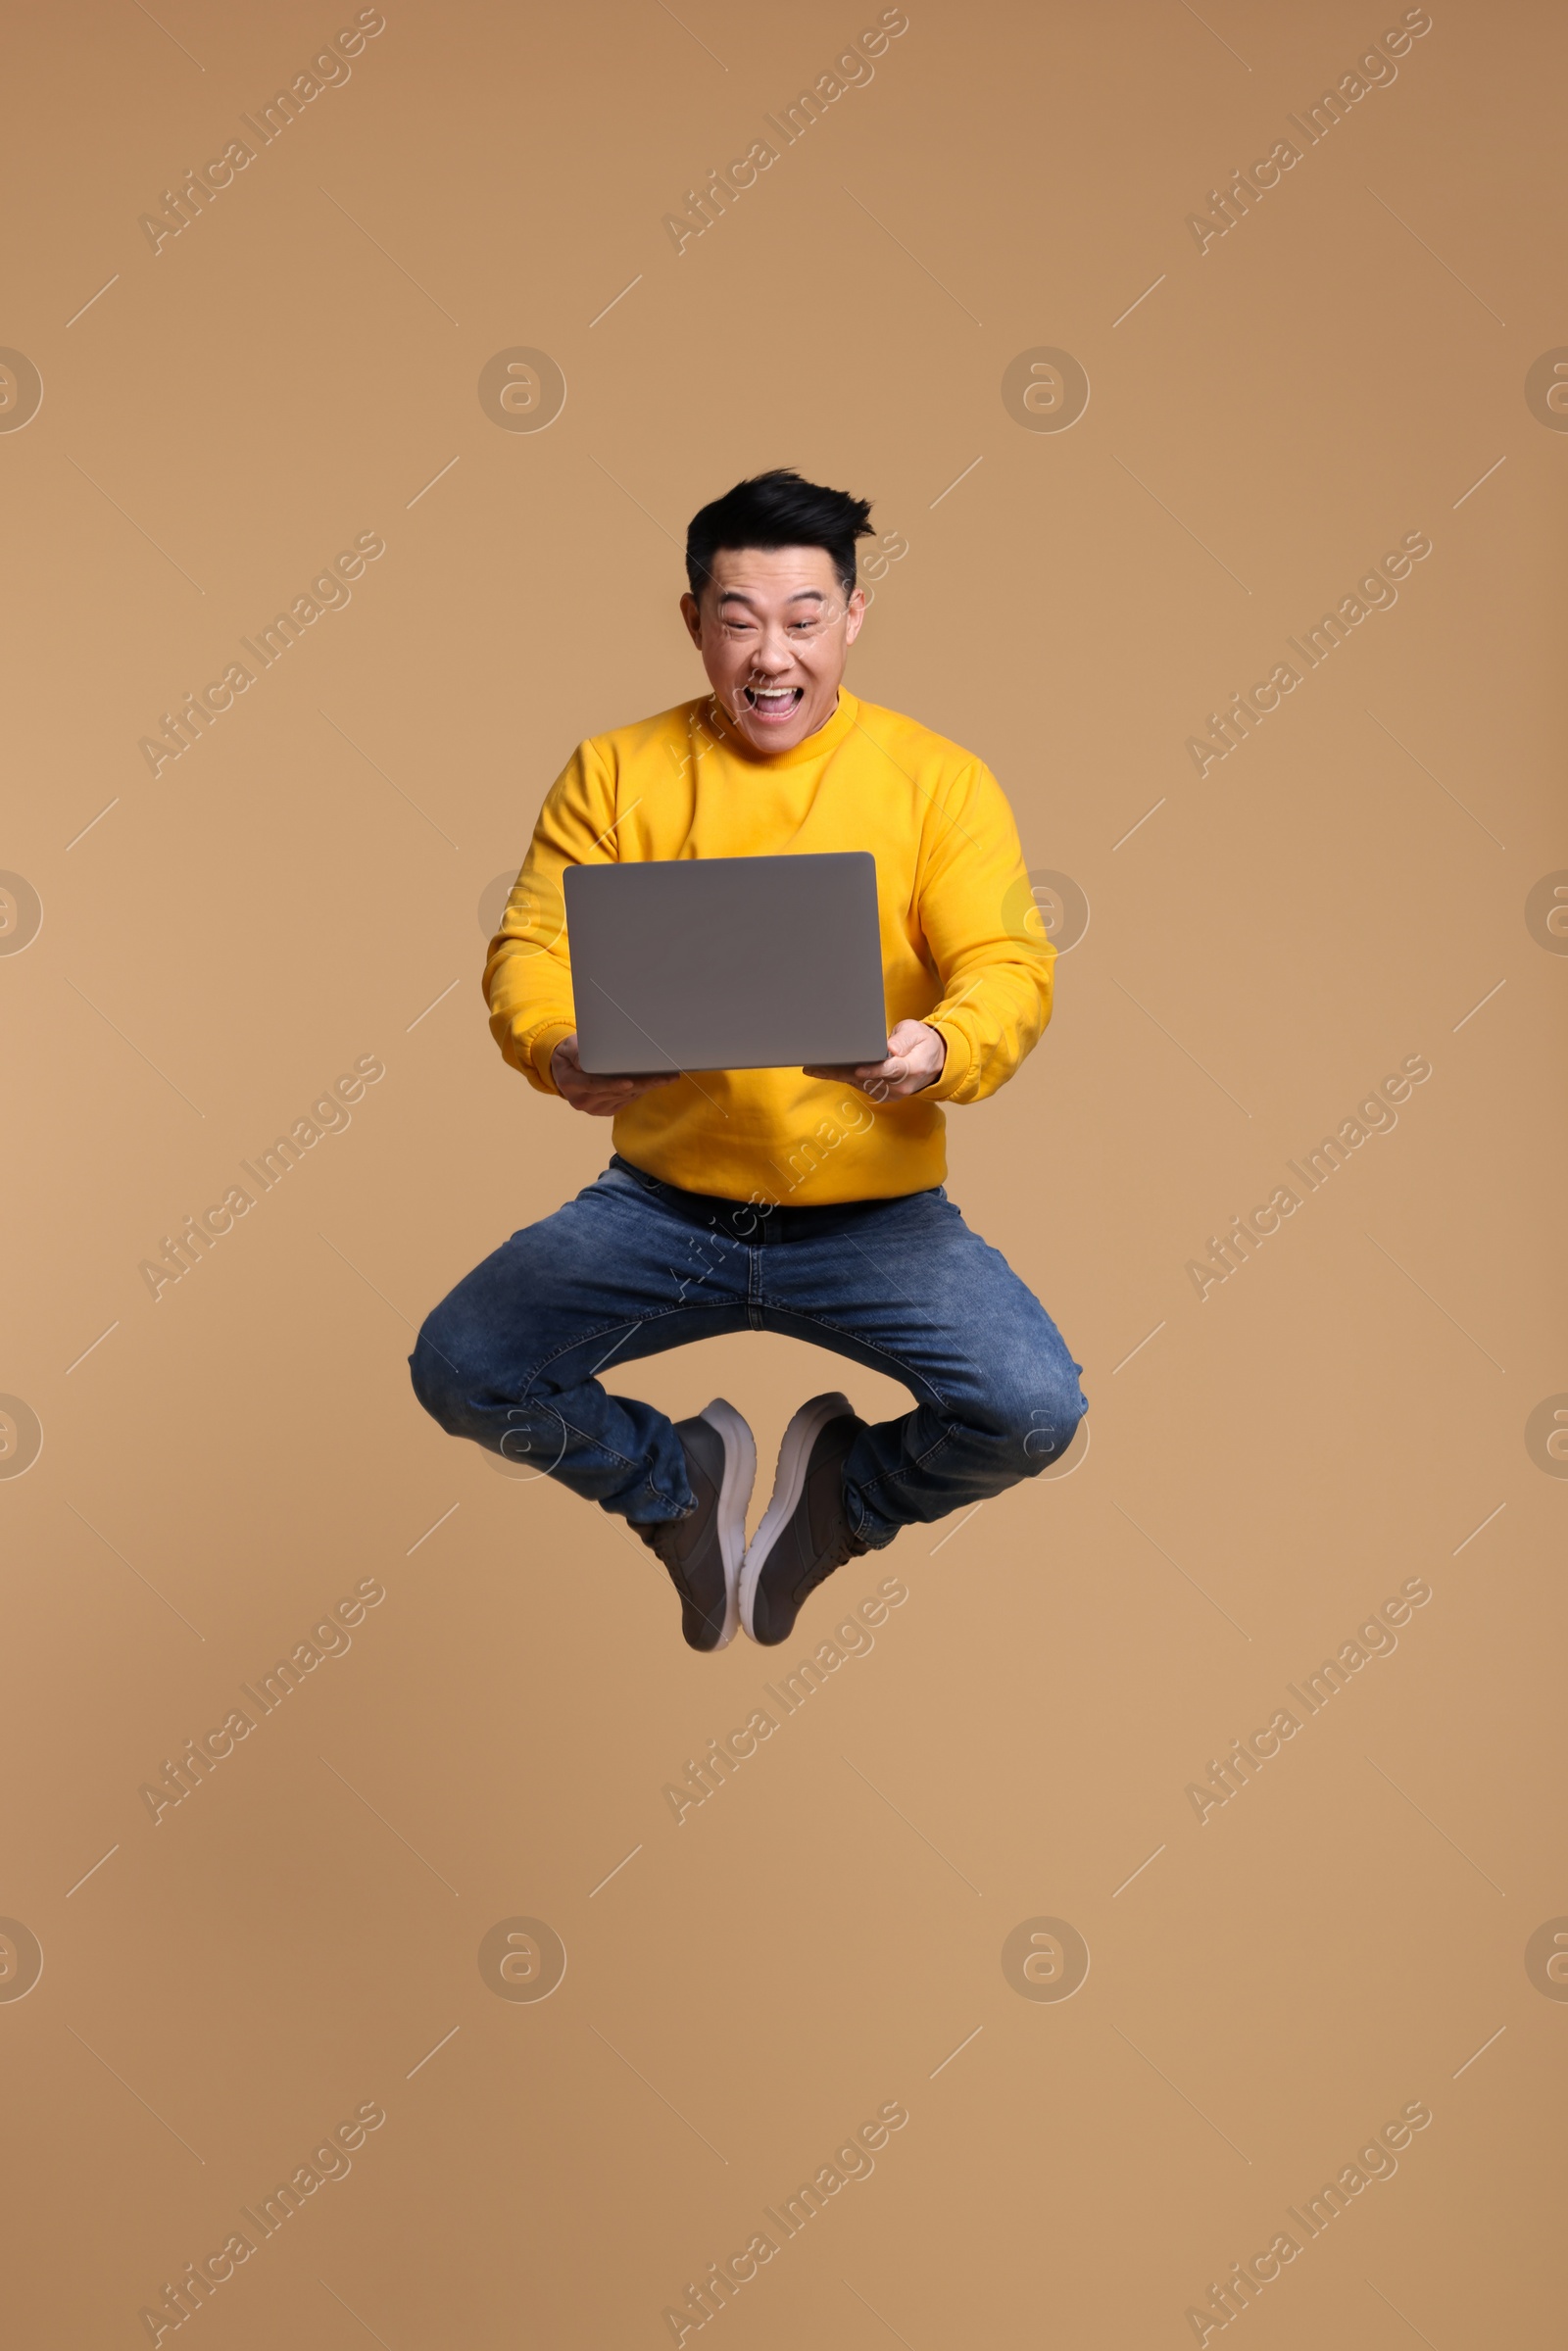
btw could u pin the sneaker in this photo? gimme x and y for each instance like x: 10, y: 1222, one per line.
x: 805, y: 1534
x: 704, y: 1552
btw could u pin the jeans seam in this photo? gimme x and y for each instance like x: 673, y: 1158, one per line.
x: 587, y: 1337
x: 597, y: 1443
x: 863, y: 1533
x: 658, y: 1495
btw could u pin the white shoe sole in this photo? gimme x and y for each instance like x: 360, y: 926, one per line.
x: 734, y: 1501
x: 793, y: 1456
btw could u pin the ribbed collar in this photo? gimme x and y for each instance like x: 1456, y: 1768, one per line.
x: 827, y: 737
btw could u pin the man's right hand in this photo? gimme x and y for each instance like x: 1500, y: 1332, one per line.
x: 599, y: 1097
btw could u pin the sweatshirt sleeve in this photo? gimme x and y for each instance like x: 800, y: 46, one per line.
x: 981, y: 931
x: 528, y: 974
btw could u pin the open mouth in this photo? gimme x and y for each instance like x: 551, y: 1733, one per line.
x: 773, y: 704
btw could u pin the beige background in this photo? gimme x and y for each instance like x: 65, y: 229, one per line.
x: 301, y: 888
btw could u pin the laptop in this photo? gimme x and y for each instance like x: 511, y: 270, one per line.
x: 726, y: 963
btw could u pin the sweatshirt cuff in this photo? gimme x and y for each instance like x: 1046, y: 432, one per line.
x: 540, y: 1052
x: 955, y: 1069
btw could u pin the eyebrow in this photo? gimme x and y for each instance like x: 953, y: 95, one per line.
x: 740, y: 595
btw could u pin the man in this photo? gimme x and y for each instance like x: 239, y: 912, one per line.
x: 803, y: 1200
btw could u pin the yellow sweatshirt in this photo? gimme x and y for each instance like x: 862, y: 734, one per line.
x: 962, y: 949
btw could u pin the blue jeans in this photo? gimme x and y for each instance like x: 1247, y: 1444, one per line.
x: 633, y: 1266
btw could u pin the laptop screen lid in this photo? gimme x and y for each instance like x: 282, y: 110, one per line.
x: 710, y: 963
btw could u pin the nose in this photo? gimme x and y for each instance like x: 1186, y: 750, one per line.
x: 775, y: 653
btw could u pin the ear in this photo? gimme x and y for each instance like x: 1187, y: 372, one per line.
x: 692, y: 616
x: 854, y: 613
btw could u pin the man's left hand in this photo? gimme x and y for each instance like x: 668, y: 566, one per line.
x: 916, y: 1059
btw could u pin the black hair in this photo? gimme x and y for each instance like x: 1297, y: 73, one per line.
x: 778, y: 510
